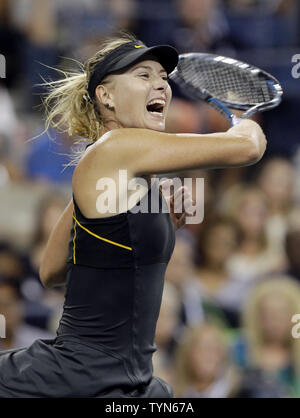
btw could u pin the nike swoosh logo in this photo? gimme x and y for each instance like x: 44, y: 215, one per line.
x: 138, y: 46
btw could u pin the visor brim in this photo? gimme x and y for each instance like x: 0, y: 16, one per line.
x: 166, y: 55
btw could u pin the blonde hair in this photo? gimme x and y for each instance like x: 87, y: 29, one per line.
x: 67, y: 106
x: 183, y: 369
x: 286, y: 288
x: 231, y: 207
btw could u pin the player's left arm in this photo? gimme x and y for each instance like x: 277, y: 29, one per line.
x: 53, y: 267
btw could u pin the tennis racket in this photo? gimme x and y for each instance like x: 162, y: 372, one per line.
x: 225, y: 83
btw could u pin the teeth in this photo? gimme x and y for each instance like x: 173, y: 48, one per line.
x: 158, y: 101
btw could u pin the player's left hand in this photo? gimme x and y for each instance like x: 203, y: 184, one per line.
x: 179, y: 202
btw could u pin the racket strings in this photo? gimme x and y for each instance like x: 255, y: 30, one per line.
x: 225, y: 82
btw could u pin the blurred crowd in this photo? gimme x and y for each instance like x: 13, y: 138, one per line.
x: 233, y: 283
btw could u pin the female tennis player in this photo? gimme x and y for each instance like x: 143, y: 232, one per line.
x: 114, y: 264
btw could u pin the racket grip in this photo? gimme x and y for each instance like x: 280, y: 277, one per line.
x: 234, y: 120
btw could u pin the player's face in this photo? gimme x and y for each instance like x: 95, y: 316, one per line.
x: 141, y: 96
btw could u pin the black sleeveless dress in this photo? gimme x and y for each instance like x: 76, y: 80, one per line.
x: 105, y: 339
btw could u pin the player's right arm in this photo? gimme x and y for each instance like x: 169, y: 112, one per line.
x: 144, y: 151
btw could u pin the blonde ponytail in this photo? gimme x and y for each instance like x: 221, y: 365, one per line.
x: 69, y: 111
x: 67, y: 104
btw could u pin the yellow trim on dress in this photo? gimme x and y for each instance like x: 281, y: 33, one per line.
x: 97, y: 236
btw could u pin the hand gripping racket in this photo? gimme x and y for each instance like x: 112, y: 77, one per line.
x: 225, y: 83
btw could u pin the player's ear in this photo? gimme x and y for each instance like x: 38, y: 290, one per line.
x: 104, y: 95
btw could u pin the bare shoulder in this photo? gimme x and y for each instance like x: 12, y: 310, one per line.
x: 126, y: 137
x: 117, y: 147
x: 100, y: 161
x: 97, y: 153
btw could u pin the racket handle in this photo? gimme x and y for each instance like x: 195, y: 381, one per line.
x: 234, y: 120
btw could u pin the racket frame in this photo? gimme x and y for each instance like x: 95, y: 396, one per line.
x: 224, y: 106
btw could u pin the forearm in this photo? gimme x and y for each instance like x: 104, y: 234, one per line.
x: 54, y: 261
x: 217, y: 150
x: 241, y: 145
x: 147, y: 152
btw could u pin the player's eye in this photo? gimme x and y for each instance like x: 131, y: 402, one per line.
x: 144, y: 75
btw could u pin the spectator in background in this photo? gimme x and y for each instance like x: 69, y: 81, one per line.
x: 82, y: 20
x: 292, y: 245
x: 17, y: 333
x: 179, y: 273
x: 276, y: 180
x: 268, y: 345
x: 214, y: 292
x: 202, y: 365
x: 125, y: 13
x: 15, y: 268
x: 189, y: 25
x: 183, y: 116
x: 91, y: 21
x: 204, y: 369
x: 36, y: 21
x: 156, y: 21
x: 12, y: 263
x: 61, y: 27
x: 255, y: 256
x: 180, y: 268
x: 277, y: 6
x: 201, y: 27
x: 262, y: 23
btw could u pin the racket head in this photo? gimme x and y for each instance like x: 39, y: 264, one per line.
x: 233, y: 83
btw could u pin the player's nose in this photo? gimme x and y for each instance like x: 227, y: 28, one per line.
x: 159, y: 83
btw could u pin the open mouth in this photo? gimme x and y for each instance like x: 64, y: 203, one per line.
x: 156, y: 106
